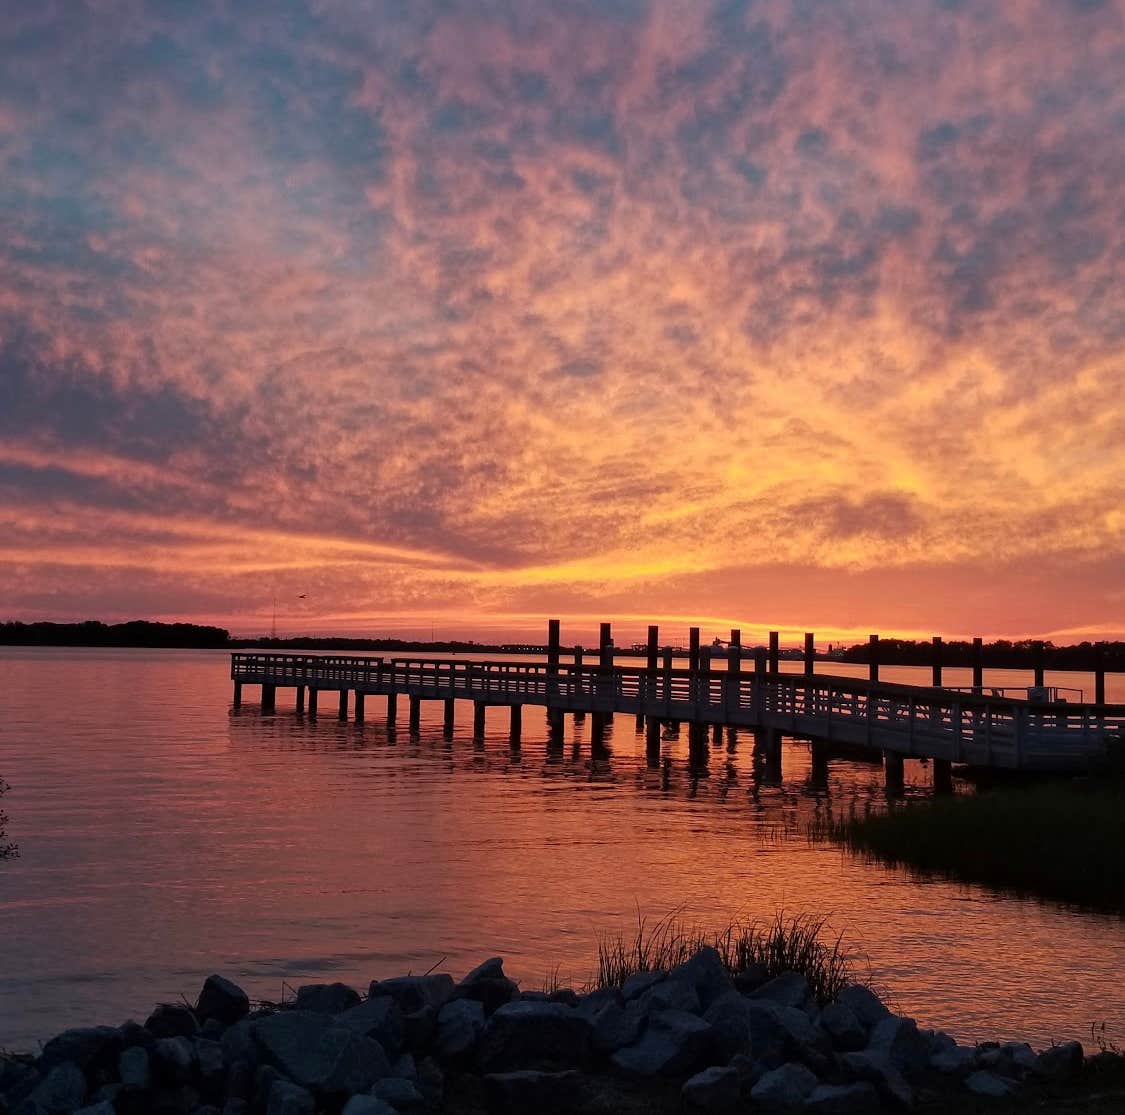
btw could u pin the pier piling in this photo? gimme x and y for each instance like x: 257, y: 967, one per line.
x: 238, y: 694
x: 450, y: 712
x: 936, y: 662
x: 415, y: 714
x: 478, y: 719
x: 359, y: 703
x: 978, y: 666
x: 313, y: 695
x: 392, y: 709
x: 515, y: 727
x: 300, y: 700
x: 775, y: 652
x: 943, y: 776
x: 893, y: 771
x: 873, y: 658
x: 810, y: 653
x: 269, y: 698
x: 1099, y: 674
x: 343, y: 704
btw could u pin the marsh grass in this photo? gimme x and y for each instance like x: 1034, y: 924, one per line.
x: 797, y: 943
x: 1058, y: 840
x: 6, y: 850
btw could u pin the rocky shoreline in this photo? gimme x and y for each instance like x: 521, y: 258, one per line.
x: 695, y: 1038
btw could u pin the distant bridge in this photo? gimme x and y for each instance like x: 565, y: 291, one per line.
x: 897, y: 721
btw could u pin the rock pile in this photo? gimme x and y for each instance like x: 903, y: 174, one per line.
x: 747, y: 1043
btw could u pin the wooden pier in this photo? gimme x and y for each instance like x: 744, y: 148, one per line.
x: 895, y: 721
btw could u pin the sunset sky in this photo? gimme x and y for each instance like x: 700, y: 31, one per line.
x: 801, y: 314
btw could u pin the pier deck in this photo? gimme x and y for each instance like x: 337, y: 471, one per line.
x: 896, y: 720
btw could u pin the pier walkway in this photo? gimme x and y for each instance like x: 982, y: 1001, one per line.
x: 897, y: 721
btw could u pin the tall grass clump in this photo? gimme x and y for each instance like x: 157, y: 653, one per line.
x: 6, y: 850
x: 790, y: 943
x: 1059, y: 840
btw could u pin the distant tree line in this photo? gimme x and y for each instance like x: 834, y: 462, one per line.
x: 94, y: 633
x: 1003, y: 653
x: 892, y: 652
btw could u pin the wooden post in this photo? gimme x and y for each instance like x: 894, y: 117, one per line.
x: 1099, y: 674
x: 652, y: 651
x: 819, y: 762
x: 343, y: 704
x: 605, y: 665
x: 810, y: 653
x: 1039, y: 652
x: 693, y: 653
x: 943, y: 776
x: 734, y: 668
x: 450, y: 711
x: 300, y: 699
x: 652, y: 735
x: 667, y: 667
x: 415, y: 713
x: 392, y: 709
x: 716, y: 732
x: 978, y: 665
x: 516, y: 725
x: 937, y: 663
x: 578, y: 680
x: 238, y: 694
x: 269, y: 698
x: 873, y: 658
x: 775, y: 652
x: 359, y: 702
x: 761, y: 693
x: 313, y: 695
x: 893, y: 770
x: 553, y: 636
x: 478, y: 719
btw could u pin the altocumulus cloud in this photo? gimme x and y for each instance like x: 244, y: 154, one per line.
x: 491, y: 310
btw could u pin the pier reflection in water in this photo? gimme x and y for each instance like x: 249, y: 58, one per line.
x: 165, y: 836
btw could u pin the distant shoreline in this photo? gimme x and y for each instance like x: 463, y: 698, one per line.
x: 146, y: 634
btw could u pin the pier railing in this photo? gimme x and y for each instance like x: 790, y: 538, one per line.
x: 910, y: 720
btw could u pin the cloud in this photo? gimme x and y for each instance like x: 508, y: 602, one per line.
x: 516, y: 308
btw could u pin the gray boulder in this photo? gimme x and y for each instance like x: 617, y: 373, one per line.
x: 899, y: 1038
x: 714, y: 1089
x: 327, y: 998
x: 209, y: 1061
x: 367, y: 1105
x: 864, y: 1004
x: 402, y: 1094
x: 789, y: 989
x: 172, y: 1020
x: 670, y: 994
x: 173, y: 1060
x: 62, y: 1090
x: 317, y: 1053
x: 529, y: 1092
x: 460, y: 1024
x: 784, y: 1088
x: 287, y: 1098
x: 134, y: 1068
x: 989, y: 1084
x: 705, y: 973
x: 876, y: 1069
x: 222, y: 1000
x: 958, y: 1061
x: 1061, y: 1062
x: 839, y: 1022
x: 779, y: 1033
x: 488, y: 985
x: 534, y: 1036
x: 238, y: 1044
x: 729, y: 1016
x: 673, y: 1044
x: 404, y: 1066
x: 85, y: 1046
x: 378, y: 1018
x: 616, y: 1025
x: 639, y: 983
x: 419, y: 1028
x: 412, y: 993
x: 842, y: 1099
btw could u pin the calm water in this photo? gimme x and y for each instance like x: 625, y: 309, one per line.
x: 164, y: 836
